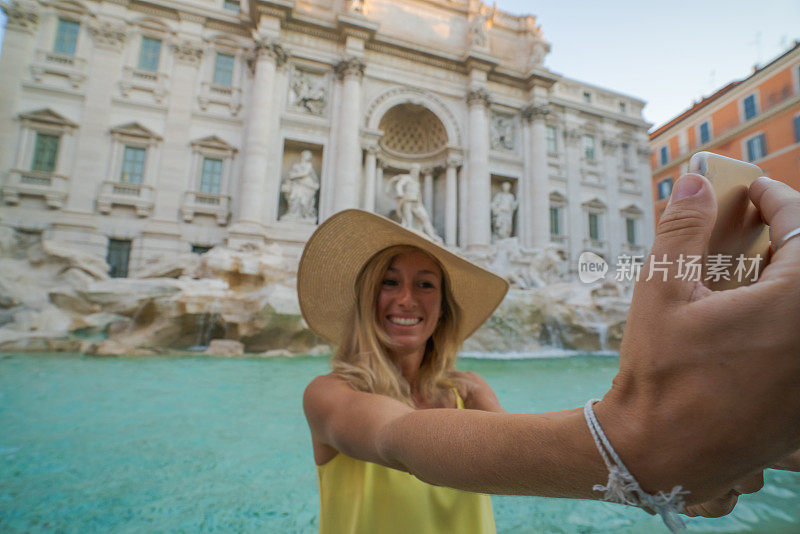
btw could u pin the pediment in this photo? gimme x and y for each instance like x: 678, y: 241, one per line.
x: 595, y: 203
x: 72, y: 6
x: 555, y: 196
x: 214, y: 143
x: 134, y: 129
x: 631, y: 210
x: 47, y: 116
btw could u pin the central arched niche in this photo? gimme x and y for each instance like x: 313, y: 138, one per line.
x: 412, y: 131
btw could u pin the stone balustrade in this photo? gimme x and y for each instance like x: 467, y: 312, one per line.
x: 138, y: 196
x: 49, y: 186
x: 195, y: 202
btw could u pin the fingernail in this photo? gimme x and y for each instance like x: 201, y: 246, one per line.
x: 687, y: 186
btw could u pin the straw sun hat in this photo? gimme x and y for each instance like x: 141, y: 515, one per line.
x: 341, y: 247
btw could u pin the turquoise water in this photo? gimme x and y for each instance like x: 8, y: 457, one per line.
x: 151, y: 444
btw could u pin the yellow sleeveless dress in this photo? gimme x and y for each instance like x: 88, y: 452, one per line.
x: 362, y: 497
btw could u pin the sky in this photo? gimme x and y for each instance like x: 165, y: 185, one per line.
x: 669, y: 54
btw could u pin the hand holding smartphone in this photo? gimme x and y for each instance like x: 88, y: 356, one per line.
x: 739, y: 229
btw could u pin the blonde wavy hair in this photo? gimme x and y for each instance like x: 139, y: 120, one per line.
x: 362, y: 359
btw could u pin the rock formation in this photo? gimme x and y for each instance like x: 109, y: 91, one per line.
x: 232, y: 301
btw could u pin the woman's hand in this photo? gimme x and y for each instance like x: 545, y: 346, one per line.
x: 725, y: 504
x: 707, y: 389
x: 477, y: 394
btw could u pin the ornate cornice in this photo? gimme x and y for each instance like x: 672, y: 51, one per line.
x: 188, y: 52
x: 108, y: 35
x: 273, y: 49
x: 534, y: 112
x: 352, y: 66
x: 479, y: 96
x: 22, y: 16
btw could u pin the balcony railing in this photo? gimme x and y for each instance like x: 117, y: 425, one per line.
x: 195, y: 202
x: 53, y: 63
x: 144, y: 80
x: 137, y: 196
x: 51, y: 187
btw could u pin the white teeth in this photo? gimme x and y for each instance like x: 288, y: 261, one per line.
x: 405, y: 321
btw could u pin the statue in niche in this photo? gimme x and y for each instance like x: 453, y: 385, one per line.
x: 478, y: 28
x: 309, y: 93
x: 504, y: 203
x: 300, y: 190
x: 355, y: 6
x: 502, y: 132
x: 405, y: 188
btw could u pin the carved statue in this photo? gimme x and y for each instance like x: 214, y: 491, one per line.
x: 405, y: 188
x: 478, y: 28
x: 355, y: 6
x: 300, y: 189
x: 309, y: 93
x: 503, y: 205
x: 502, y: 132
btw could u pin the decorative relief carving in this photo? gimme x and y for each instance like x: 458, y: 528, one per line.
x: 350, y: 67
x: 610, y: 144
x: 533, y: 112
x: 454, y: 161
x: 414, y: 96
x: 187, y: 52
x: 412, y: 129
x: 273, y: 49
x: 479, y: 96
x: 21, y: 15
x: 573, y: 136
x: 308, y: 92
x: 108, y: 35
x: 503, y: 133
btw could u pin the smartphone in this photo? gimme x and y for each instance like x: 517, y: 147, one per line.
x: 739, y: 229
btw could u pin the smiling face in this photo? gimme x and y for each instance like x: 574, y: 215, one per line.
x: 409, y: 302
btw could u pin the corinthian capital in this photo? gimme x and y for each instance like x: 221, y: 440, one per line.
x: 22, y: 15
x: 531, y: 113
x: 479, y: 96
x: 350, y: 67
x: 273, y: 49
x: 187, y: 52
x: 108, y: 35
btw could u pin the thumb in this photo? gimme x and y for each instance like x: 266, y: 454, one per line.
x: 674, y: 268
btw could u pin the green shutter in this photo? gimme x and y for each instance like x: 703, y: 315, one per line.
x: 223, y: 70
x: 132, y: 165
x: 149, y: 54
x: 45, y: 151
x: 66, y: 37
x: 212, y: 176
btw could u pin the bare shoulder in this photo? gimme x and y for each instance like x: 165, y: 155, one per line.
x: 324, y: 391
x: 479, y: 395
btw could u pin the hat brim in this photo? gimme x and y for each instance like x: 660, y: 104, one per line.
x: 340, y: 248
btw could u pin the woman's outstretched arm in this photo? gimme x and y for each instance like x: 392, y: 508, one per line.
x: 706, y: 394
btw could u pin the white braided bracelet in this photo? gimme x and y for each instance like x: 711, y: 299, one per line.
x: 623, y: 488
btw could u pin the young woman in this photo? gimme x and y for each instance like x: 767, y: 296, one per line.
x: 398, y: 306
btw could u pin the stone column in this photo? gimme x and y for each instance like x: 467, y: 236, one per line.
x: 576, y: 218
x: 18, y: 43
x: 348, y: 152
x: 257, y: 199
x: 479, y: 217
x: 427, y: 190
x: 615, y: 228
x: 451, y: 201
x: 537, y: 198
x: 370, y: 168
